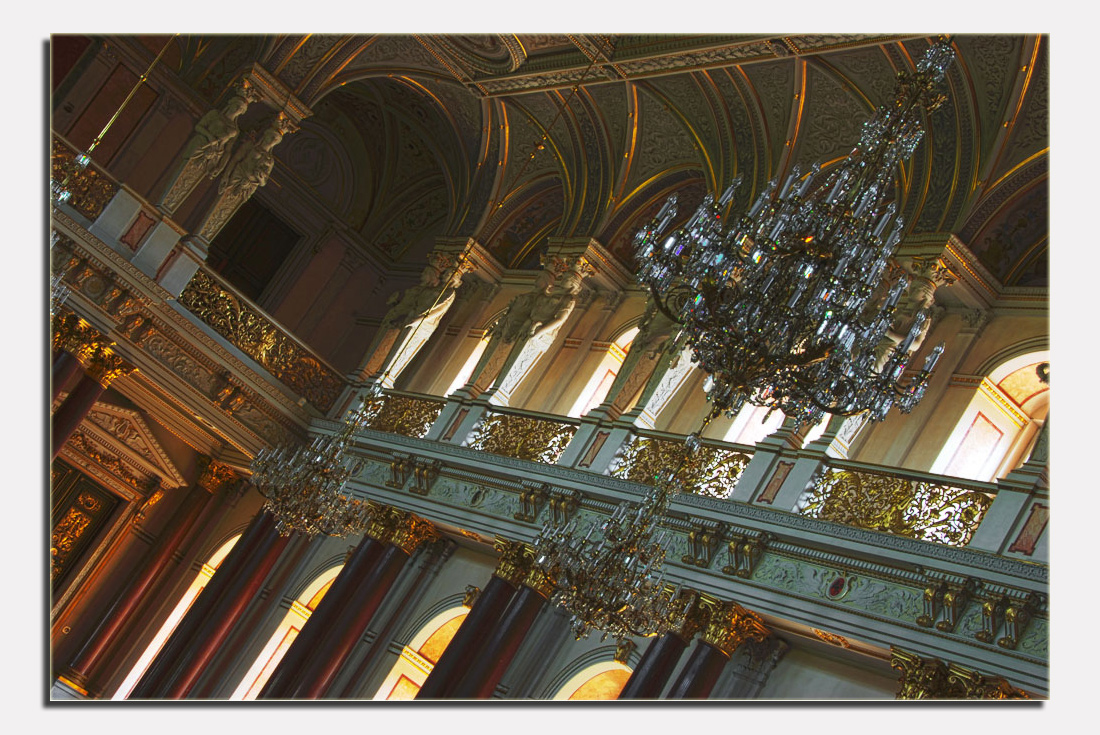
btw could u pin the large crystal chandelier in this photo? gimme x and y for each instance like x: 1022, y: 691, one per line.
x: 611, y: 578
x: 304, y: 486
x: 789, y: 305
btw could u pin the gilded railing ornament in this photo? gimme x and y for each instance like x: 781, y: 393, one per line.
x: 713, y: 472
x: 729, y: 625
x: 403, y: 415
x: 252, y: 333
x: 914, y: 508
x: 84, y: 188
x: 933, y: 679
x: 523, y: 437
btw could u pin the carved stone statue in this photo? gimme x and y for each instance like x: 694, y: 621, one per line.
x: 247, y: 171
x: 432, y: 296
x: 205, y: 153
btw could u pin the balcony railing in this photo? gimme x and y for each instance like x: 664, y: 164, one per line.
x: 538, y: 438
x: 251, y: 331
x: 407, y: 414
x: 87, y: 189
x: 927, y: 507
x: 714, y: 470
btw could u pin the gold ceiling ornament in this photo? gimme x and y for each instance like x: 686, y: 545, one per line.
x: 729, y: 625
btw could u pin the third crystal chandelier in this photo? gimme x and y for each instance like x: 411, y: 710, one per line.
x: 786, y: 307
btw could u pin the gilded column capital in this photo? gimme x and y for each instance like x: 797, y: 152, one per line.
x: 470, y: 598
x: 76, y: 336
x: 215, y: 476
x: 540, y: 581
x: 729, y: 625
x: 687, y: 616
x: 104, y: 366
x: 402, y: 529
x: 516, y: 560
x: 920, y: 678
x: 968, y: 684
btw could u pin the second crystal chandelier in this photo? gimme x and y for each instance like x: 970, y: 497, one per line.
x: 786, y: 307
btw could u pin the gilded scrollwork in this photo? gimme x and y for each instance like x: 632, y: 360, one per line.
x: 252, y: 333
x: 89, y: 190
x: 914, y: 508
x: 713, y: 471
x: 403, y: 415
x: 523, y: 437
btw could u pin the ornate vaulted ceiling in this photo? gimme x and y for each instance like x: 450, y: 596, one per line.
x: 516, y: 138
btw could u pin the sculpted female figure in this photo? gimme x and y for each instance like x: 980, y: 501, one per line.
x: 248, y: 170
x: 204, y: 154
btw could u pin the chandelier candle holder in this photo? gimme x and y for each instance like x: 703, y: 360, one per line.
x: 304, y: 485
x: 611, y: 578
x: 789, y: 306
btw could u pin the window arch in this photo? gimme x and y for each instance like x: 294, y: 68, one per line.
x: 169, y: 625
x: 604, y: 680
x: 287, y: 630
x: 421, y: 654
x: 998, y: 428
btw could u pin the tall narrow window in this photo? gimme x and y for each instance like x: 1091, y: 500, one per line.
x: 174, y: 618
x: 288, y: 629
x: 421, y: 654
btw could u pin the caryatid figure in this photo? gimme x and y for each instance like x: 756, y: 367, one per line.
x: 248, y: 169
x: 207, y: 150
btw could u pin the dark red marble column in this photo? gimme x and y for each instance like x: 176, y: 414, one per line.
x: 321, y: 620
x: 161, y: 667
x: 492, y: 659
x: 226, y: 613
x: 482, y: 618
x: 655, y: 668
x: 95, y: 648
x: 333, y: 651
x: 728, y: 626
x: 63, y: 369
x: 101, y: 368
x: 700, y: 673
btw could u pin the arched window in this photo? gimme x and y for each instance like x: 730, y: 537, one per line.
x: 291, y: 624
x: 421, y: 654
x: 999, y: 426
x: 599, y: 681
x: 174, y: 618
x: 595, y: 391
